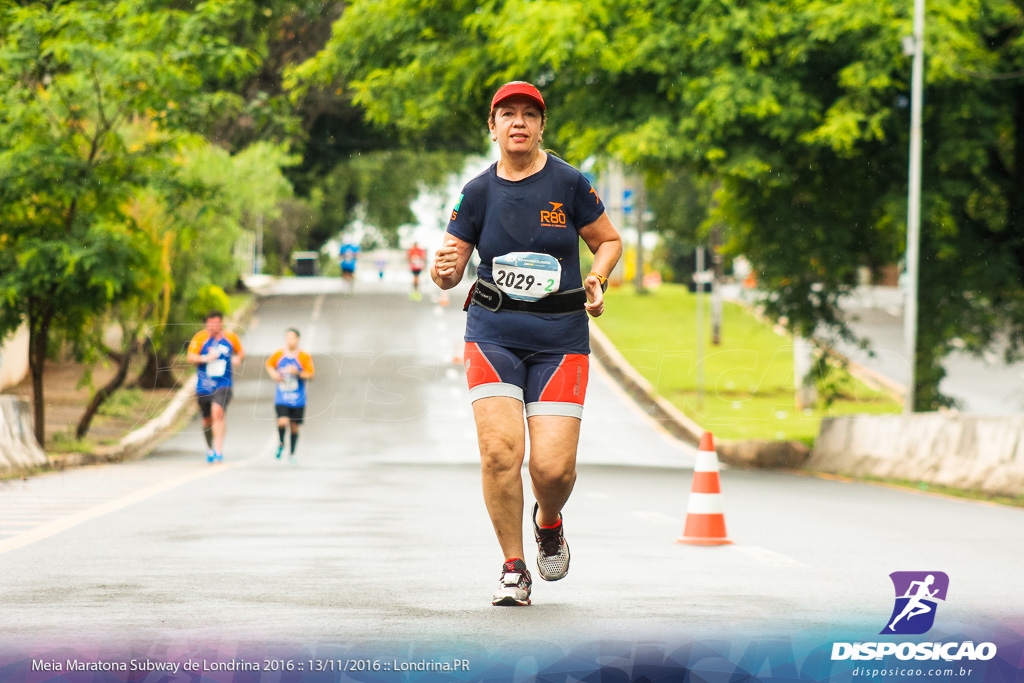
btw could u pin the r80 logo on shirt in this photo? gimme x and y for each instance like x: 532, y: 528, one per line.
x: 554, y: 218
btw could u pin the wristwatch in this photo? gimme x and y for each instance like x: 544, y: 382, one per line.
x: 600, y: 278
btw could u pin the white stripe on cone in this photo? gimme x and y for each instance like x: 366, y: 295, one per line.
x: 705, y: 504
x: 707, y: 461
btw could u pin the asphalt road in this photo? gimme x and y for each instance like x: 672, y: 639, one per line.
x: 983, y: 385
x: 380, y: 534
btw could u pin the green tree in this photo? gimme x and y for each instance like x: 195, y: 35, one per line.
x: 793, y: 106
x: 73, y: 74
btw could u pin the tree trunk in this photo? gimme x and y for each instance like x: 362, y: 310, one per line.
x: 158, y: 373
x: 38, y: 344
x: 108, y: 389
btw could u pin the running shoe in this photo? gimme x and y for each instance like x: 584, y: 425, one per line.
x: 280, y: 449
x: 218, y: 457
x: 210, y: 455
x: 292, y: 460
x: 514, y: 588
x: 552, y: 550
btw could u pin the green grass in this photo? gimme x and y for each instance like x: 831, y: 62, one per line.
x: 124, y: 404
x: 65, y: 442
x: 749, y: 390
x: 236, y: 301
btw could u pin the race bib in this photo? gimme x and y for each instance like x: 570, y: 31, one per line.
x: 216, y: 368
x: 289, y: 383
x: 526, y: 276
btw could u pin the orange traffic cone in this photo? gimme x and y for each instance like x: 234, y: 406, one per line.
x: 443, y: 300
x: 457, y: 357
x: 705, y: 515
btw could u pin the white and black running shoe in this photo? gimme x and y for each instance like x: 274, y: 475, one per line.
x: 515, y: 585
x: 552, y: 550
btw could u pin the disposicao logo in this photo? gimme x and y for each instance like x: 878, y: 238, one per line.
x: 917, y: 598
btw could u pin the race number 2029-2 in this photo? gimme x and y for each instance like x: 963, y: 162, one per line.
x: 526, y: 276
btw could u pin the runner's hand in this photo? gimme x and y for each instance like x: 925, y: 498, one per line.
x: 235, y: 360
x: 595, y: 297
x: 446, y: 259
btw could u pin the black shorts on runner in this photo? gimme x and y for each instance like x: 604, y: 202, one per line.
x: 221, y: 397
x: 292, y: 413
x: 417, y: 272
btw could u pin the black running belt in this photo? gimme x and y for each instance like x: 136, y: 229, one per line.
x: 488, y: 296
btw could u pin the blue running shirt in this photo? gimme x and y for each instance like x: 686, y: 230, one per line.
x: 291, y: 391
x: 542, y: 213
x: 217, y: 374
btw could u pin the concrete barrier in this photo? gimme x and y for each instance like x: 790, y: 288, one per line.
x: 966, y: 451
x: 14, y: 358
x: 19, y: 451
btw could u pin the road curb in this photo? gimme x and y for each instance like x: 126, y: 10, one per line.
x: 140, y: 442
x: 748, y: 453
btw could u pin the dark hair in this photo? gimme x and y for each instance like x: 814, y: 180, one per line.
x: 214, y: 314
x: 292, y: 329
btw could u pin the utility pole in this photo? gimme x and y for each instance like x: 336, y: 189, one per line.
x: 716, y: 284
x: 700, y: 277
x: 914, y: 205
x: 639, y: 209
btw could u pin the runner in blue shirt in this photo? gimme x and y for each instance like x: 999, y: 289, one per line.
x: 215, y: 353
x: 349, y: 254
x: 291, y: 368
x: 527, y: 335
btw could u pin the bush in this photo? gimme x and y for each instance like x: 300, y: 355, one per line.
x: 209, y: 298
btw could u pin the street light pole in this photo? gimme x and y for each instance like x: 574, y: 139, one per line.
x: 914, y: 204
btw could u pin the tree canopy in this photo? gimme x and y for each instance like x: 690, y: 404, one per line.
x: 795, y: 108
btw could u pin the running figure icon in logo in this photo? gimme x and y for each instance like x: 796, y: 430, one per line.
x: 916, y: 596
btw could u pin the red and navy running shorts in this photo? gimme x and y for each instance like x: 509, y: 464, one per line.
x: 547, y: 383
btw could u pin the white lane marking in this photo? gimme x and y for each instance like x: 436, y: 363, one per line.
x: 60, y: 524
x: 310, y: 336
x: 768, y: 556
x: 657, y: 517
x: 318, y: 304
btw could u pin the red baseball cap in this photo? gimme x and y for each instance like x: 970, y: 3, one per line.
x: 518, y: 88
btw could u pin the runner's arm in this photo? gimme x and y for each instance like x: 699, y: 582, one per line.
x: 271, y: 366
x: 605, y: 244
x: 195, y: 348
x: 450, y: 262
x: 306, y: 361
x: 236, y: 344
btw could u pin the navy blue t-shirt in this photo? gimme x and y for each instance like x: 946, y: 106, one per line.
x: 542, y: 213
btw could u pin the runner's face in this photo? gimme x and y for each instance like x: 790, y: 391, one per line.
x: 291, y: 340
x: 215, y: 325
x: 517, y: 125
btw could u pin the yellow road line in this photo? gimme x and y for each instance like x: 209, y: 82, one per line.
x: 56, y: 526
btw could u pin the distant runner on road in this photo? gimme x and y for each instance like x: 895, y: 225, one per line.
x: 349, y: 254
x: 215, y: 353
x: 527, y: 334
x: 291, y: 368
x: 417, y: 256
